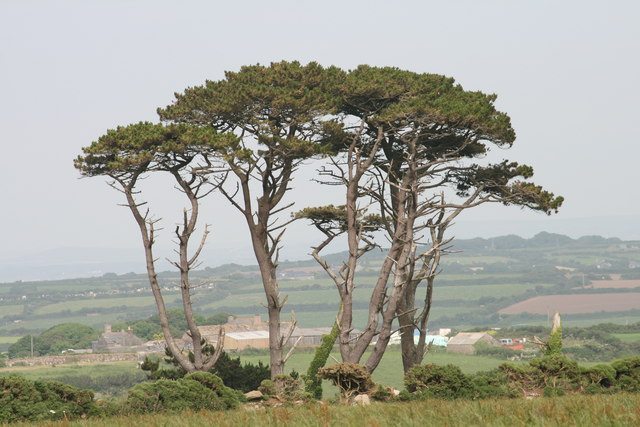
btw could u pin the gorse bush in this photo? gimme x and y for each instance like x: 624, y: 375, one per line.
x: 25, y: 400
x: 244, y: 377
x: 550, y: 376
x: 445, y: 382
x: 627, y: 374
x: 196, y: 391
x: 350, y: 378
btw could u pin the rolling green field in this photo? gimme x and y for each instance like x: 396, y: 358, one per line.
x: 8, y: 340
x: 93, y: 370
x: 132, y: 302
x: 506, y: 270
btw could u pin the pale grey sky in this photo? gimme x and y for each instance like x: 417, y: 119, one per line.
x: 566, y: 72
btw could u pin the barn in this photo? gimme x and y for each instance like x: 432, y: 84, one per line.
x: 464, y: 342
x: 243, y: 340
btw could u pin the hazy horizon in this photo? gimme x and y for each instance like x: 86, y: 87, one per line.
x: 87, y: 261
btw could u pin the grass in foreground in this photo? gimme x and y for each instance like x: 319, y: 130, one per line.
x: 610, y: 410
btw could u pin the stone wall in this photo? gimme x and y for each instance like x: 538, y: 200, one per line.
x: 75, y: 358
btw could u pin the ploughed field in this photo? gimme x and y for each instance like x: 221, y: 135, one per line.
x: 574, y: 304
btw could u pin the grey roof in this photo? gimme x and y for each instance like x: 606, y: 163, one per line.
x: 467, y: 338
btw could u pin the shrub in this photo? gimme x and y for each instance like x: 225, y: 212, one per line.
x: 267, y: 388
x: 445, y: 382
x: 283, y: 387
x: 245, y: 377
x: 555, y: 373
x: 600, y: 375
x: 490, y: 384
x: 25, y: 400
x: 627, y: 374
x: 382, y: 393
x: 196, y: 391
x: 228, y: 396
x: 350, y: 378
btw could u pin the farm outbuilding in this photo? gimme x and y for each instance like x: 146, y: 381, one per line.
x: 244, y: 340
x: 116, y: 342
x: 312, y: 337
x: 464, y: 342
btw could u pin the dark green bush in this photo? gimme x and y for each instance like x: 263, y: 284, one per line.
x: 444, y: 382
x: 600, y: 375
x: 350, y: 378
x: 557, y: 372
x: 196, y: 391
x: 490, y: 384
x: 243, y: 377
x: 25, y: 400
x: 627, y: 374
x: 229, y: 397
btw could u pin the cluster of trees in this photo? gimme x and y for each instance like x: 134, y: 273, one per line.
x: 407, y: 149
x: 54, y: 340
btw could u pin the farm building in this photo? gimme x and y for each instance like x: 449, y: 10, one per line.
x: 312, y: 337
x: 436, y: 340
x: 234, y: 324
x: 464, y: 342
x: 116, y: 342
x: 243, y: 340
x: 252, y: 332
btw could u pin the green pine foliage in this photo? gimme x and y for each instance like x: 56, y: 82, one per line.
x: 554, y: 346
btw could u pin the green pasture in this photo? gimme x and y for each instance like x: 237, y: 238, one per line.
x: 628, y: 337
x: 447, y: 279
x: 42, y: 324
x: 11, y: 310
x: 312, y: 319
x: 8, y: 340
x: 74, y: 305
x: 479, y: 260
x: 92, y: 370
